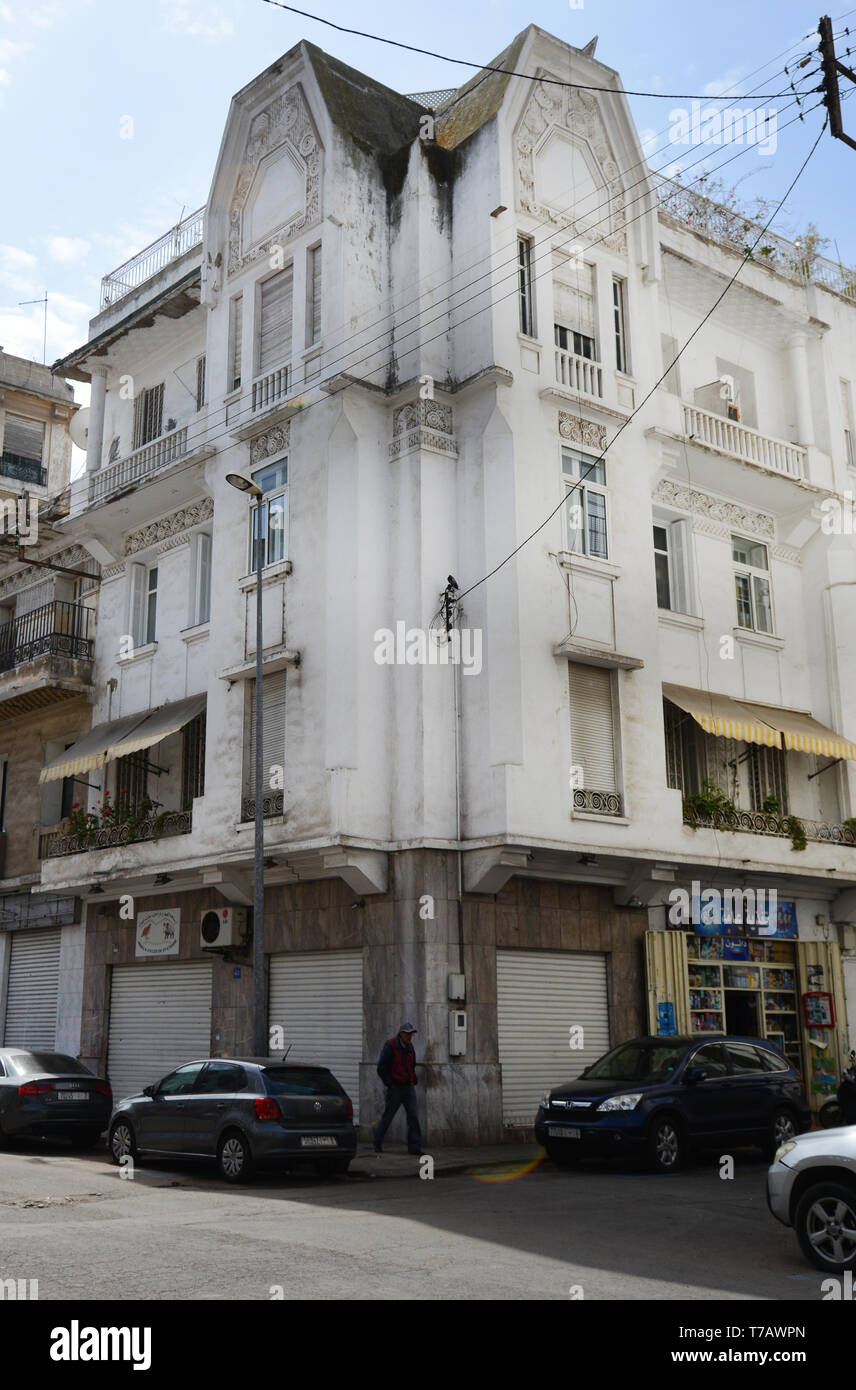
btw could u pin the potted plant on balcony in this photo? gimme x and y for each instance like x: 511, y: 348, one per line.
x: 709, y: 802
x: 81, y: 826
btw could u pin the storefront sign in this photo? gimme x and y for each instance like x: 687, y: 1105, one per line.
x: 732, y: 913
x: 157, y: 932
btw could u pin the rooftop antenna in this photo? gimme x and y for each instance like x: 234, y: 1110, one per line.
x: 21, y: 303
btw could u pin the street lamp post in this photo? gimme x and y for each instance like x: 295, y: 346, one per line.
x: 260, y: 1047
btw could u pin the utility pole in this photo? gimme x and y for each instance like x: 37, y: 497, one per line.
x: 831, y: 68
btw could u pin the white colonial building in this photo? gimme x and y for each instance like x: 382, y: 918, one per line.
x: 429, y: 333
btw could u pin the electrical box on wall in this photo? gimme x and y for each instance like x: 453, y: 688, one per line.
x: 457, y: 989
x: 457, y: 1032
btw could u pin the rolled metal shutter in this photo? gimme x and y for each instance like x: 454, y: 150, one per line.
x: 160, y: 1017
x: 592, y: 736
x: 275, y: 320
x: 541, y: 995
x: 31, y: 1000
x: 317, y: 1000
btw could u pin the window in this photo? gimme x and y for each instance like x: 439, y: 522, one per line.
x: 268, y: 516
x: 619, y: 323
x: 144, y: 604
x: 570, y: 341
x: 193, y: 760
x: 132, y: 781
x: 752, y: 585
x: 313, y: 295
x: 23, y: 443
x: 770, y: 1062
x: 711, y: 1059
x: 148, y: 416
x: 236, y: 339
x: 585, y: 480
x: 682, y: 750
x: 670, y: 565
x: 273, y: 745
x: 200, y: 604
x: 275, y: 307
x: 181, y: 1082
x: 671, y: 364
x: 524, y: 282
x: 593, y: 738
x: 200, y: 382
x: 221, y: 1079
x: 744, y: 1059
x: 767, y: 776
x: 847, y: 415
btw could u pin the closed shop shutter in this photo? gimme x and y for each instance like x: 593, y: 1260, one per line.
x: 31, y: 1000
x: 592, y: 737
x: 317, y: 1000
x: 160, y: 1017
x: 541, y: 995
x: 275, y: 321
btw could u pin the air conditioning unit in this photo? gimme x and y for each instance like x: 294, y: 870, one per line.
x: 223, y: 926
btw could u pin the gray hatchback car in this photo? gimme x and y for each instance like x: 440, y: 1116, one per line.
x: 242, y: 1112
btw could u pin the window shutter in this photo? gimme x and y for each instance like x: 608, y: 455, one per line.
x: 200, y: 382
x: 24, y: 437
x: 203, y: 577
x: 573, y: 300
x: 236, y: 339
x: 592, y: 737
x: 137, y: 609
x: 672, y: 380
x: 313, y: 298
x: 680, y: 574
x: 273, y: 731
x: 275, y: 321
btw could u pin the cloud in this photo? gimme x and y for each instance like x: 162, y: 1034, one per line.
x: 196, y: 21
x: 17, y: 270
x: 726, y: 85
x: 68, y: 250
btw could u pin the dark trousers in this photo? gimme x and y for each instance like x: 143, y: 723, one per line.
x: 396, y: 1096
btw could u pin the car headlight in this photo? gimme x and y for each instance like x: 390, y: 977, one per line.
x: 545, y: 1101
x: 629, y: 1101
x: 784, y: 1149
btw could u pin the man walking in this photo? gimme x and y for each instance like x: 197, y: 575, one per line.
x: 397, y: 1070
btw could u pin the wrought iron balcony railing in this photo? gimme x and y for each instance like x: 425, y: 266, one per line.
x: 599, y: 803
x: 271, y: 806
x: 55, y: 843
x: 55, y: 629
x: 24, y: 469
x: 174, y: 243
x: 768, y: 823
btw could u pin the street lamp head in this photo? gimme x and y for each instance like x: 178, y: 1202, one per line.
x: 244, y: 484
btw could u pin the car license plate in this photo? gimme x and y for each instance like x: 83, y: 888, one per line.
x: 563, y: 1132
x: 318, y: 1141
x: 73, y: 1095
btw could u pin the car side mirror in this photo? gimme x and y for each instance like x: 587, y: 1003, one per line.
x: 148, y: 1090
x: 693, y: 1075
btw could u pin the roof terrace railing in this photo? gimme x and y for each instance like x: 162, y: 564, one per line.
x: 174, y: 243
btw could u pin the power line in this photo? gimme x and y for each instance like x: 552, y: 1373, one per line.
x: 507, y: 72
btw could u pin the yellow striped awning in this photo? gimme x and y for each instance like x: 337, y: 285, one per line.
x: 91, y: 750
x: 723, y: 716
x: 155, y: 727
x: 804, y: 734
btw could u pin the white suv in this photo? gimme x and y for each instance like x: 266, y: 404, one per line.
x: 811, y: 1186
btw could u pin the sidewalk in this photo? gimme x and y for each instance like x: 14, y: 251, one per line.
x: 396, y: 1162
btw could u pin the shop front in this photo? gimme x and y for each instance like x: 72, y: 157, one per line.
x: 758, y: 979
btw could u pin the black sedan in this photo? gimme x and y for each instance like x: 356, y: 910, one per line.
x: 49, y: 1094
x: 657, y: 1097
x: 243, y: 1113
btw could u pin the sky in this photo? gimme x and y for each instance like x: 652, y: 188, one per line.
x: 112, y: 111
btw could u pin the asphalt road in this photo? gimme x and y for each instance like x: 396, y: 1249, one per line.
x: 178, y: 1232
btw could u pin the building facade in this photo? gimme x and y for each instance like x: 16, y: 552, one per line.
x: 421, y: 332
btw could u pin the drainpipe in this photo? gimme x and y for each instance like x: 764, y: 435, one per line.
x: 799, y: 382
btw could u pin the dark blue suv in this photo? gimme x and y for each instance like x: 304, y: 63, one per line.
x: 655, y: 1098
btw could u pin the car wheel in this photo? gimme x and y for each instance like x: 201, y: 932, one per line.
x: 234, y: 1158
x: 122, y: 1142
x: 560, y: 1156
x: 85, y: 1139
x: 665, y: 1145
x: 782, y: 1128
x: 825, y: 1224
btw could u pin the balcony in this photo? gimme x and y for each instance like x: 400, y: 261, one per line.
x: 175, y: 243
x: 270, y: 390
x: 58, y: 842
x: 271, y: 806
x: 746, y: 445
x: 598, y: 803
x: 579, y: 374
x: 45, y: 656
x: 136, y: 467
x: 765, y: 823
x: 24, y: 469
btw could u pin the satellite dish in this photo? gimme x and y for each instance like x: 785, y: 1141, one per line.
x: 79, y: 427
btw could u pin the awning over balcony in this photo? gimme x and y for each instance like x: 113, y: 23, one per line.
x: 722, y: 716
x: 158, y: 725
x: 118, y: 737
x: 753, y: 723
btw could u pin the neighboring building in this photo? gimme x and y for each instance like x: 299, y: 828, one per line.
x: 47, y: 638
x: 415, y: 350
